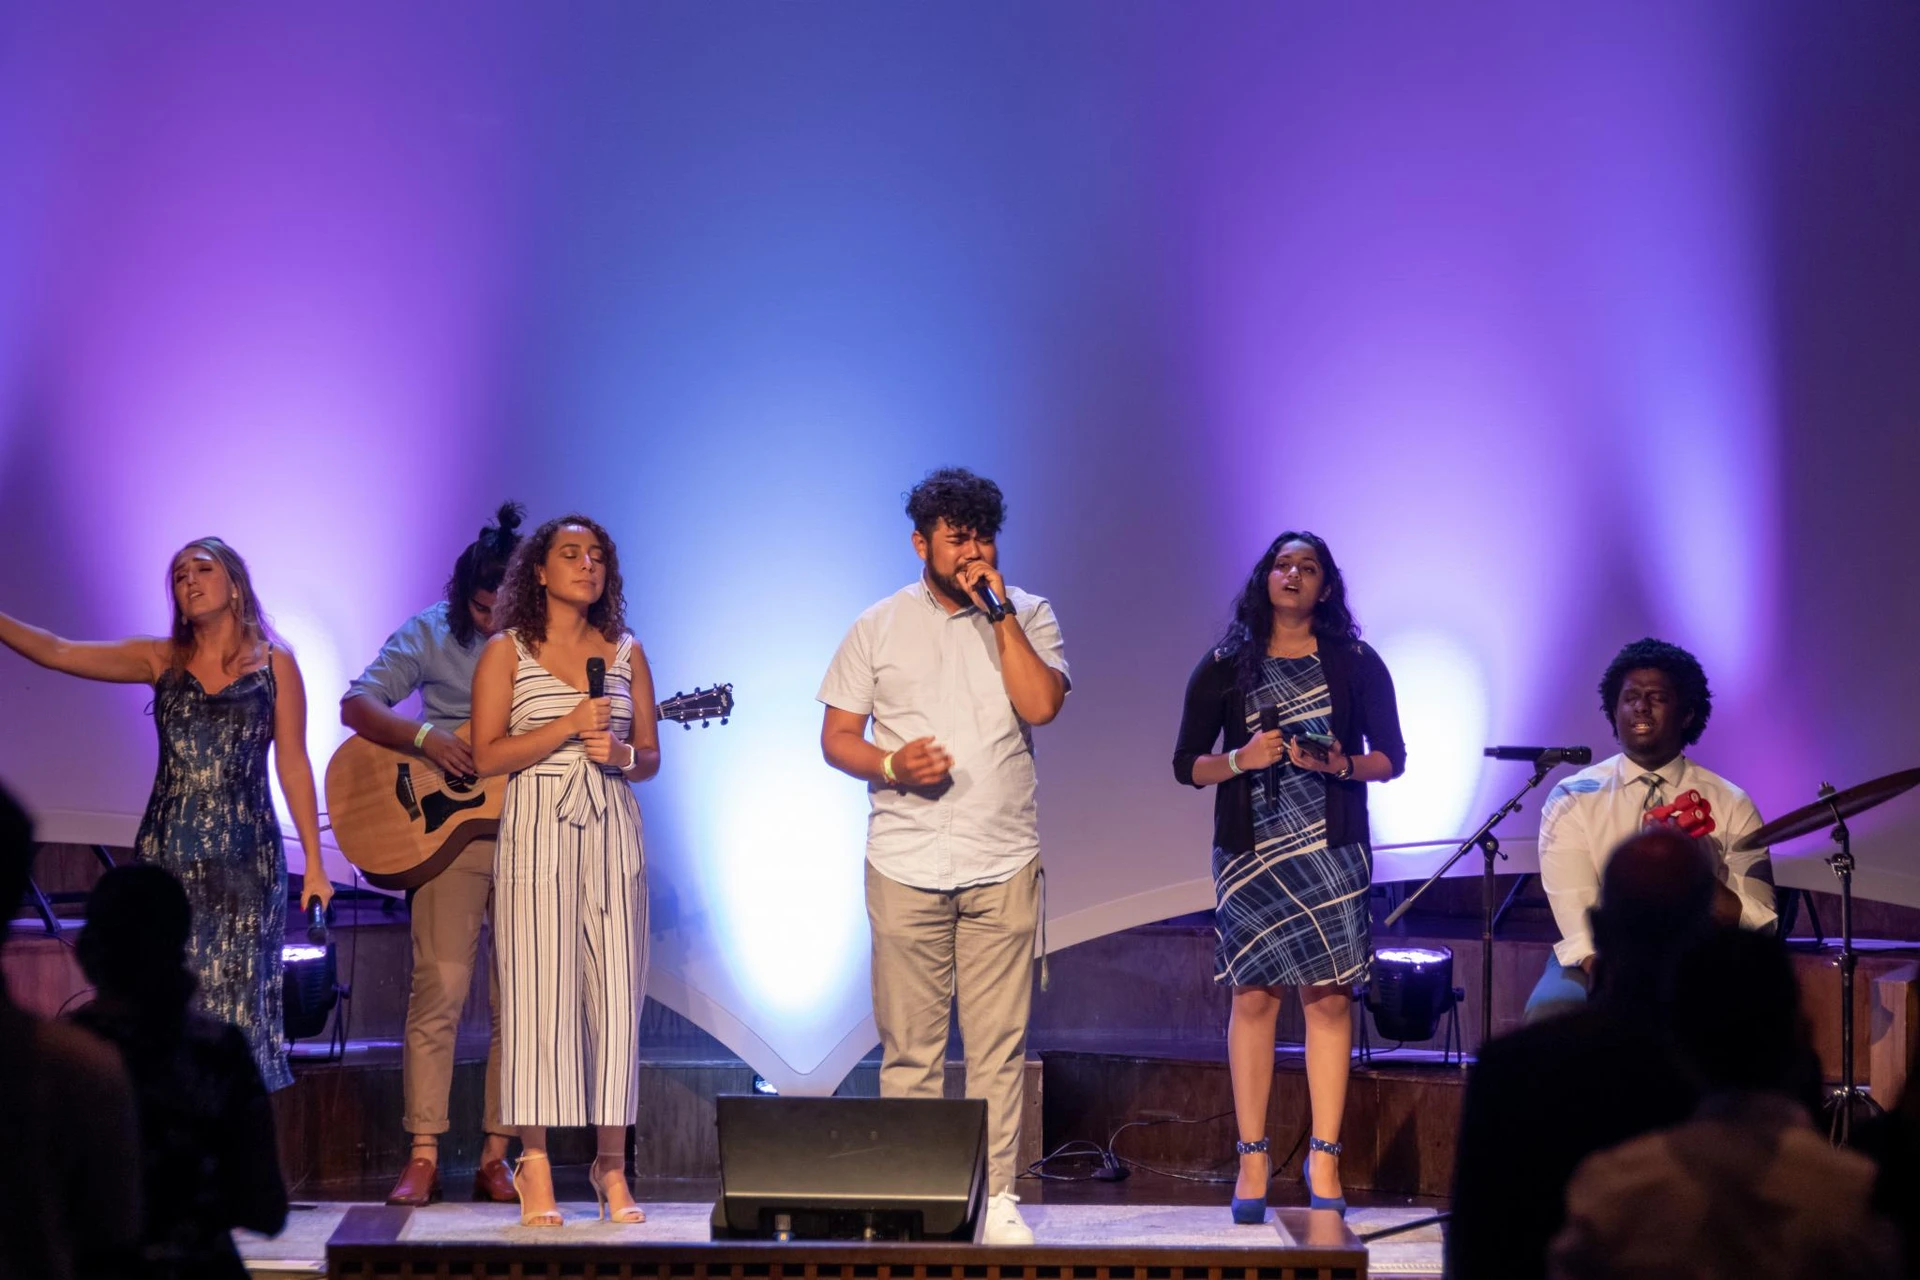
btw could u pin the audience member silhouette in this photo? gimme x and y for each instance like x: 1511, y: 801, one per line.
x: 1542, y: 1099
x: 208, y: 1156
x: 1894, y: 1142
x: 69, y: 1186
x: 1746, y: 1189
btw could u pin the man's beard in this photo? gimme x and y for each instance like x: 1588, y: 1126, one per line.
x: 949, y: 586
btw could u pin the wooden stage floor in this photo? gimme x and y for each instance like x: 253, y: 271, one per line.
x: 1133, y: 1237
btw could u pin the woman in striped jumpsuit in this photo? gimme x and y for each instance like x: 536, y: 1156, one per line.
x: 570, y: 918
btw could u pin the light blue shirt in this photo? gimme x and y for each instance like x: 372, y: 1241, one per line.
x: 423, y: 655
x: 920, y: 671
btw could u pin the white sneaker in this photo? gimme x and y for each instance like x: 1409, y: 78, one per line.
x: 1004, y: 1223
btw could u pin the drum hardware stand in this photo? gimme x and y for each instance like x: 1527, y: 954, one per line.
x: 1840, y: 1102
x: 1837, y: 807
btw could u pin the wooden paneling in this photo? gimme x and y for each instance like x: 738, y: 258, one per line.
x: 1399, y: 1128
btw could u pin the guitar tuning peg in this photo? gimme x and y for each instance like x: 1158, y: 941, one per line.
x: 686, y: 726
x: 706, y: 724
x: 723, y: 719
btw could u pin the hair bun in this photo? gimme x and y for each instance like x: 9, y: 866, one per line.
x: 509, y: 517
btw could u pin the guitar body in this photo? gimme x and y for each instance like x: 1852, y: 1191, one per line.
x: 402, y: 821
x: 399, y: 819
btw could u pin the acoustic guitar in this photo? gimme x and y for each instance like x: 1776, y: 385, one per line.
x: 401, y: 820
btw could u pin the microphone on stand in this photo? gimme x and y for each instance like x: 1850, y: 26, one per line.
x: 995, y: 607
x: 596, y: 677
x: 1543, y: 757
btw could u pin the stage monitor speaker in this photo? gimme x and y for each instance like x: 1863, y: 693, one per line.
x: 851, y: 1168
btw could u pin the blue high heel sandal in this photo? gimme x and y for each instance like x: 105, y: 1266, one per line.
x: 1337, y: 1203
x: 1253, y: 1210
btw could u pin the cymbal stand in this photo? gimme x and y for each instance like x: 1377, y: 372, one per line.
x: 1840, y: 1102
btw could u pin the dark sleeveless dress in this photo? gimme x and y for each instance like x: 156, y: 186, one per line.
x: 210, y: 821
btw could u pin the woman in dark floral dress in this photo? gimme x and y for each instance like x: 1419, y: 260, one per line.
x: 223, y: 692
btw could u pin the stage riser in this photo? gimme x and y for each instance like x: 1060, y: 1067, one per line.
x: 1154, y: 986
x: 368, y: 1245
x: 339, y: 1125
x: 1399, y: 1129
x: 1146, y: 991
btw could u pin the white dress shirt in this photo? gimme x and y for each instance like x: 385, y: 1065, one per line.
x: 920, y: 671
x: 1590, y: 813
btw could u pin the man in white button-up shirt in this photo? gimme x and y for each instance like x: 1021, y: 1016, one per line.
x: 952, y: 843
x: 1656, y: 697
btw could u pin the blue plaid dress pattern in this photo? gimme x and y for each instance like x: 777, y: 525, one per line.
x: 1292, y: 911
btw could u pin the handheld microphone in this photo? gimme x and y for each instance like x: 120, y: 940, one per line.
x: 995, y: 607
x: 1269, y: 723
x: 596, y: 677
x: 316, y: 921
x: 1543, y: 756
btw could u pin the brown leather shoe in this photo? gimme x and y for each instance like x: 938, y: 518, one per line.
x: 419, y: 1184
x: 493, y: 1181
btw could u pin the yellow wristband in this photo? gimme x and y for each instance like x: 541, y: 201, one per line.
x: 420, y: 738
x: 886, y: 768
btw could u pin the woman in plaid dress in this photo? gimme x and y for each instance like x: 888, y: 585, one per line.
x: 1291, y: 860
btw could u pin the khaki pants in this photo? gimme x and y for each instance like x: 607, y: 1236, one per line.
x: 449, y: 911
x: 931, y: 946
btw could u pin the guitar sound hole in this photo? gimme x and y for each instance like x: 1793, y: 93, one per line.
x: 461, y: 785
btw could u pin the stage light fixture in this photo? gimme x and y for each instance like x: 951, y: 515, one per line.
x: 1410, y: 990
x: 309, y: 989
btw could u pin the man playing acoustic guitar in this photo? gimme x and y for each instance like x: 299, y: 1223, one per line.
x: 434, y: 652
x: 1655, y: 697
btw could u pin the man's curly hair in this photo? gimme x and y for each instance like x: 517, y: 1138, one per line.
x: 1689, y: 681
x: 971, y: 503
x: 524, y: 600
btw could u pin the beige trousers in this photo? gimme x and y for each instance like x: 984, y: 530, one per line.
x: 449, y: 912
x: 932, y: 946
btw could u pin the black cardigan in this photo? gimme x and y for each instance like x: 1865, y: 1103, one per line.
x: 1365, y: 717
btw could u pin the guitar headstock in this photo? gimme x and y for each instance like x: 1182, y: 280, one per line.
x: 704, y: 705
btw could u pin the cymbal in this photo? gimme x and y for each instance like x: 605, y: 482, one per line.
x: 1812, y: 817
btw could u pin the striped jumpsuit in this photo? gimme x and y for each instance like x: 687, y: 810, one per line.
x: 570, y: 917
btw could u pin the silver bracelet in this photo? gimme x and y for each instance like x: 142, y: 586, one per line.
x: 1233, y: 763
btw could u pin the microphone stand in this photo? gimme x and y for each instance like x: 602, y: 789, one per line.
x: 1489, y: 846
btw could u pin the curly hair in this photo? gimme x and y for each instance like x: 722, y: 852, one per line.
x: 969, y: 502
x: 1689, y: 681
x: 1245, y: 640
x: 524, y: 600
x: 254, y: 630
x: 481, y: 567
